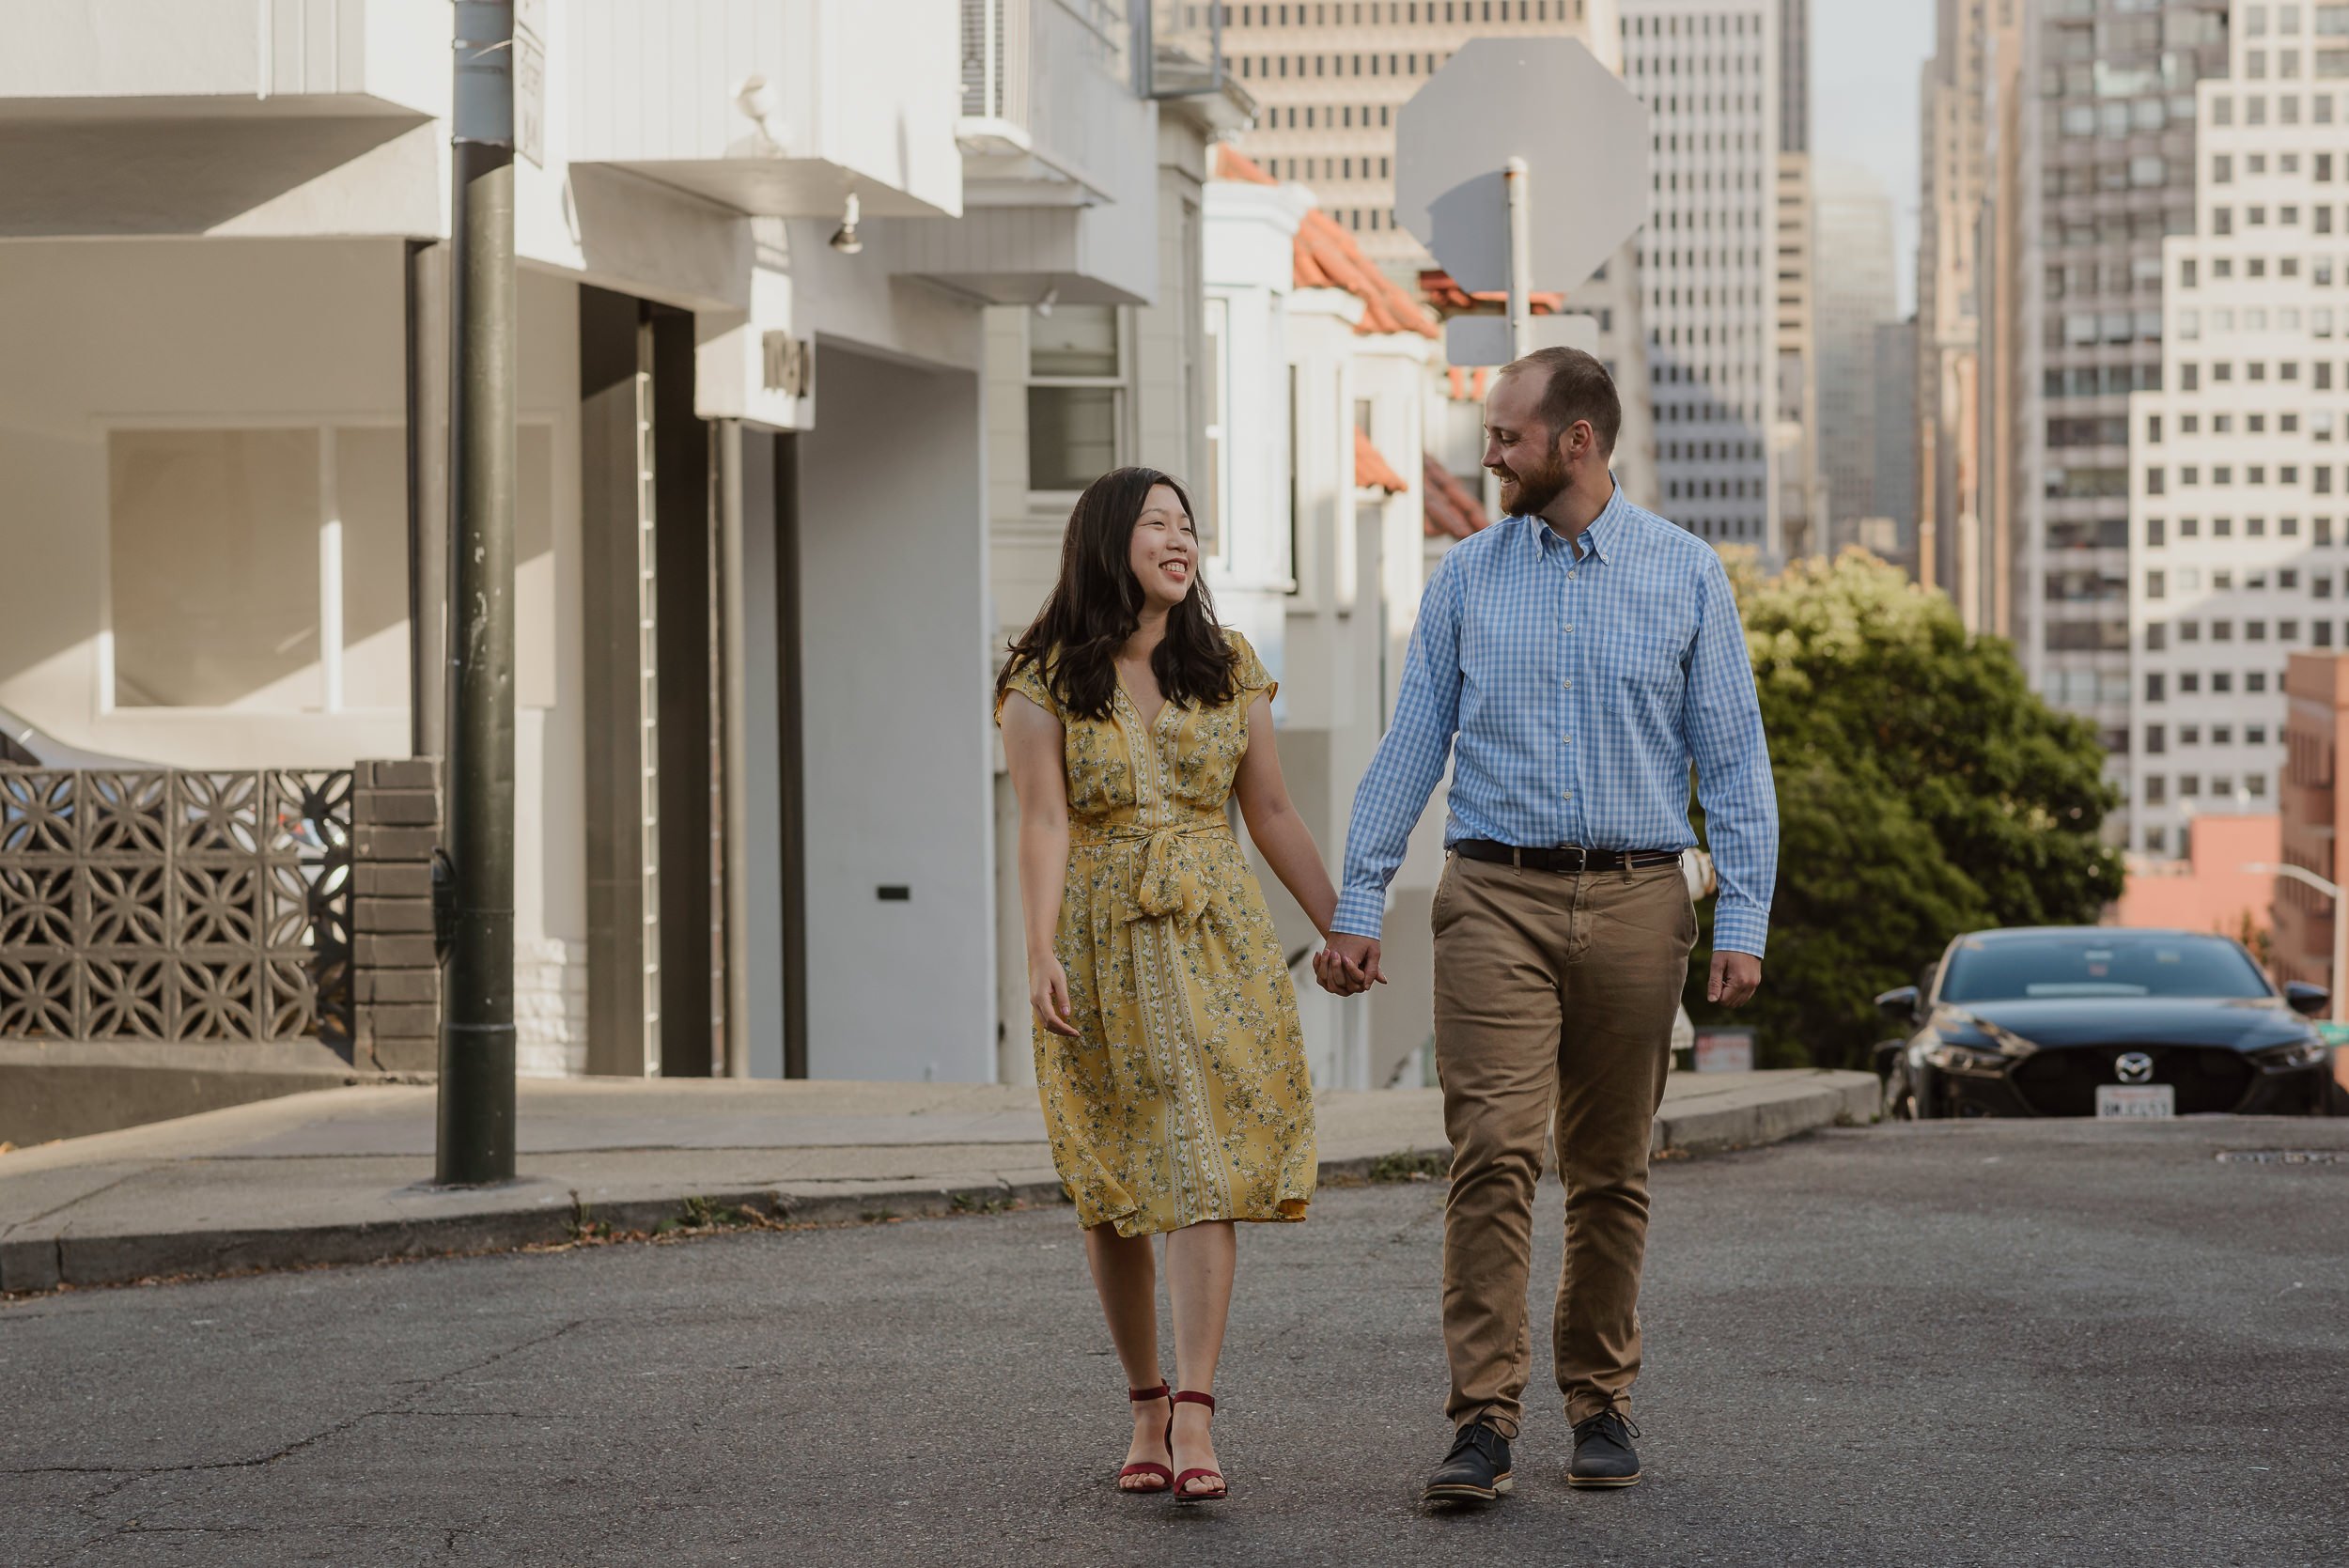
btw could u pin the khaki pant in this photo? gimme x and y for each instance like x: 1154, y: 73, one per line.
x: 1552, y: 992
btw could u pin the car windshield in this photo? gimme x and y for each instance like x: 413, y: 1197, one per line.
x: 2103, y: 965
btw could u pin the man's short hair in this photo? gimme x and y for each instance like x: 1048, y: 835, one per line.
x: 1576, y: 387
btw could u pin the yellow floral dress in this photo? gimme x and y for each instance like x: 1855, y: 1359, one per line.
x: 1187, y: 1097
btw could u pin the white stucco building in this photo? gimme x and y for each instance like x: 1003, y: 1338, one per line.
x: 223, y: 363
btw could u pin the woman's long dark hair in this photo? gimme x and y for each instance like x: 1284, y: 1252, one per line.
x: 1097, y: 605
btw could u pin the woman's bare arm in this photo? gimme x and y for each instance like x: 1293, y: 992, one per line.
x: 1281, y: 836
x: 1033, y: 743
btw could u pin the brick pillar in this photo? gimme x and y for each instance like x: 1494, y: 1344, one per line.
x: 396, y: 979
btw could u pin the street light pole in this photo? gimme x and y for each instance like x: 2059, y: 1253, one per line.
x: 475, y: 890
x: 2341, y: 924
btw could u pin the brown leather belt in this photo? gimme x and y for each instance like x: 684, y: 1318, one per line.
x: 1570, y: 858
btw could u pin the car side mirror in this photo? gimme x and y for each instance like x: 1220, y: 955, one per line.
x: 1900, y: 1003
x: 2309, y: 1000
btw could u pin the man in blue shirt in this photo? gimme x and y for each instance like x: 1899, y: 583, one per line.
x: 1575, y: 659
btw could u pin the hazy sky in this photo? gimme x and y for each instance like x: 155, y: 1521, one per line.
x: 1864, y: 59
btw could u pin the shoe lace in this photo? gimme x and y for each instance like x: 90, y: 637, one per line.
x: 1614, y: 1423
x: 1479, y: 1435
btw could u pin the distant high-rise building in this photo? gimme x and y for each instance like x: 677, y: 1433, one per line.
x: 2104, y: 133
x: 1795, y: 438
x: 1897, y: 428
x: 1852, y: 229
x: 1708, y: 72
x: 1950, y: 186
x: 2238, y: 500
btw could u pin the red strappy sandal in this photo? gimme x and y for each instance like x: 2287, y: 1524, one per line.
x: 1186, y: 1396
x: 1165, y: 1476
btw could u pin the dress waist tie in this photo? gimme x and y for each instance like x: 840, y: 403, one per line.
x: 1169, y: 882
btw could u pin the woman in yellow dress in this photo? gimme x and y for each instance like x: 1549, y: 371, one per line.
x: 1167, y: 1050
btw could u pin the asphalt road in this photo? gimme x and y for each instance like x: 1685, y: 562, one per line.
x: 1953, y: 1344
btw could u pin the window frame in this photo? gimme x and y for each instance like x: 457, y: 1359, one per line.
x: 1120, y: 385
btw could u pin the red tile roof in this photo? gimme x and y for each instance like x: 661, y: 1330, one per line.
x: 1444, y: 294
x: 1452, y: 508
x: 1328, y: 257
x: 1372, y: 472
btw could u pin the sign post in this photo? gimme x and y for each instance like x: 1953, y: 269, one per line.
x: 1466, y: 172
x: 1518, y: 178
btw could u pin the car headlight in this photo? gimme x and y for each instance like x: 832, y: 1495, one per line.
x: 2300, y: 1053
x: 1953, y: 1058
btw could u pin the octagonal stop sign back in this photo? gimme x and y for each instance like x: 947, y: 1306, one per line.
x: 1581, y: 133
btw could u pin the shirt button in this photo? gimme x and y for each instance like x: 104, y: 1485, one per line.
x: 1569, y: 740
x: 1570, y: 683
x: 1569, y: 626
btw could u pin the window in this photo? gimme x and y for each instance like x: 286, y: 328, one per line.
x: 1075, y: 397
x: 265, y: 569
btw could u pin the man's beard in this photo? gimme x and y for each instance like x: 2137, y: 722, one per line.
x: 1535, y: 490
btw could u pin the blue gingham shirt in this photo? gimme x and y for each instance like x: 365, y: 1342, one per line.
x: 1581, y: 683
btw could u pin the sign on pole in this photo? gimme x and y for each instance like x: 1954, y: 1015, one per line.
x: 1523, y: 165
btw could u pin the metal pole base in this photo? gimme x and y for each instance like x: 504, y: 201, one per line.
x: 476, y: 1105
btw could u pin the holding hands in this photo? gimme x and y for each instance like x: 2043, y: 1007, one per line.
x: 1347, y: 965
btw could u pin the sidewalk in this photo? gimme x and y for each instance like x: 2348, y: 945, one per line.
x: 335, y: 1176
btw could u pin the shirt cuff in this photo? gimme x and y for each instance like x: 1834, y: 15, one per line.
x: 1362, y: 912
x: 1740, y: 929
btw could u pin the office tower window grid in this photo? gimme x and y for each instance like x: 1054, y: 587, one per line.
x: 1707, y: 73
x: 2238, y: 466
x: 2116, y: 192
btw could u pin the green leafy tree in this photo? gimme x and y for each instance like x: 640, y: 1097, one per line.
x: 1922, y: 789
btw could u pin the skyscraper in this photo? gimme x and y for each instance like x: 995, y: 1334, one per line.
x: 1795, y: 436
x: 2237, y: 490
x: 1896, y: 476
x: 1950, y: 184
x: 1708, y: 72
x: 2108, y: 131
x: 1852, y: 224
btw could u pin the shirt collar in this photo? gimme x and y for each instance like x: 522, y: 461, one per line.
x: 1599, y: 537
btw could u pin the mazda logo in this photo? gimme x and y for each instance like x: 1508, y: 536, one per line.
x: 2134, y: 1066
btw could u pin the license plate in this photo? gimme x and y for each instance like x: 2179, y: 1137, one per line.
x: 2136, y: 1101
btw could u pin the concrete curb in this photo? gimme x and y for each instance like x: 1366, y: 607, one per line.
x: 536, y: 1214
x: 1708, y: 1130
